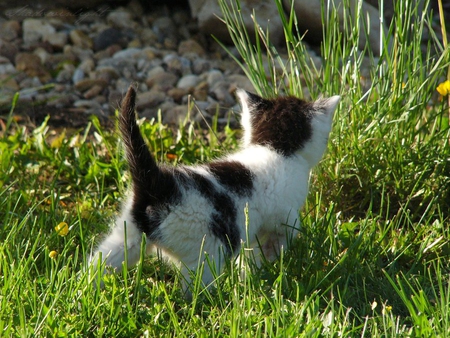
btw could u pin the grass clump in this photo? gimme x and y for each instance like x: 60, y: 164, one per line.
x: 371, y: 259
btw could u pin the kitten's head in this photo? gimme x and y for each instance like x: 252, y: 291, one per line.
x: 288, y: 125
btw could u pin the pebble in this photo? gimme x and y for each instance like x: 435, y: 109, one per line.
x: 108, y: 37
x: 87, y: 84
x: 149, y: 99
x: 35, y: 29
x: 81, y: 39
x: 92, y: 60
x: 188, y: 81
x: 190, y: 47
x: 164, y: 80
x: 57, y: 40
x: 31, y: 65
x: 10, y: 30
x: 177, y: 94
x: 6, y: 67
x: 121, y: 19
x: 177, y: 65
x: 8, y: 49
x: 94, y: 91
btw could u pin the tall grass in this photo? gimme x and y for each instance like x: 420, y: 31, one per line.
x: 372, y: 258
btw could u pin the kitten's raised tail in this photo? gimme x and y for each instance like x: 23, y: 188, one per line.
x: 142, y: 165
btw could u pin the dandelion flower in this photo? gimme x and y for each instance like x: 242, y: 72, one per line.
x: 444, y: 88
x: 53, y: 254
x: 62, y: 229
x: 386, y: 309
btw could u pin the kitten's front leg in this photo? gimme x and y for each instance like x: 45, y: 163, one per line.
x: 272, y: 242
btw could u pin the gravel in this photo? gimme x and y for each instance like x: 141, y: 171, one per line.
x: 70, y: 67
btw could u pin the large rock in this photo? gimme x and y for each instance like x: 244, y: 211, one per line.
x: 309, y: 16
x: 208, y: 11
x: 308, y: 12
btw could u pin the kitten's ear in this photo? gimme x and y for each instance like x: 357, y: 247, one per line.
x: 328, y: 106
x: 247, y: 99
x: 248, y: 102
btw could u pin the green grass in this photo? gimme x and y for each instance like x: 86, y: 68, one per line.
x: 372, y: 258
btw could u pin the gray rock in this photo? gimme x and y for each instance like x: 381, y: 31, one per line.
x: 190, y: 47
x: 164, y: 28
x: 177, y: 64
x: 66, y: 74
x: 106, y: 73
x: 6, y: 67
x: 87, y: 65
x: 200, y: 65
x: 121, y: 18
x: 188, y: 81
x: 129, y: 53
x: 175, y: 115
x: 178, y: 94
x: 213, y: 77
x: 108, y: 37
x: 77, y: 53
x: 87, y: 84
x: 221, y: 93
x: 163, y: 80
x: 78, y: 75
x: 149, y: 99
x: 8, y: 49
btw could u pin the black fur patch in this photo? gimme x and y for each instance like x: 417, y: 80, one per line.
x: 283, y: 123
x: 233, y: 175
x: 153, y: 202
x: 223, y: 222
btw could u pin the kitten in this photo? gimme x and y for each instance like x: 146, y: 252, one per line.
x: 185, y: 209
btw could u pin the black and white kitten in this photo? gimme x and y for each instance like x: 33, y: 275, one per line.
x: 187, y: 209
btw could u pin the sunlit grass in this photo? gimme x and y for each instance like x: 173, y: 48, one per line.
x: 372, y: 258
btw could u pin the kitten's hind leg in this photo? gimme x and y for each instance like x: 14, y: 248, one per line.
x: 113, y: 248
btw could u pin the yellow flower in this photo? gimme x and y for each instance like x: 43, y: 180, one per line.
x: 386, y: 309
x: 53, y: 254
x: 444, y: 88
x: 62, y: 229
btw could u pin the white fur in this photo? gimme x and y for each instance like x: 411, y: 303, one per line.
x: 245, y: 116
x: 280, y: 189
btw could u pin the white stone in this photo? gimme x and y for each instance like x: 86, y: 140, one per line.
x: 36, y: 29
x: 58, y: 39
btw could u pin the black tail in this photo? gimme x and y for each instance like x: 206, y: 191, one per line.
x: 141, y: 163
